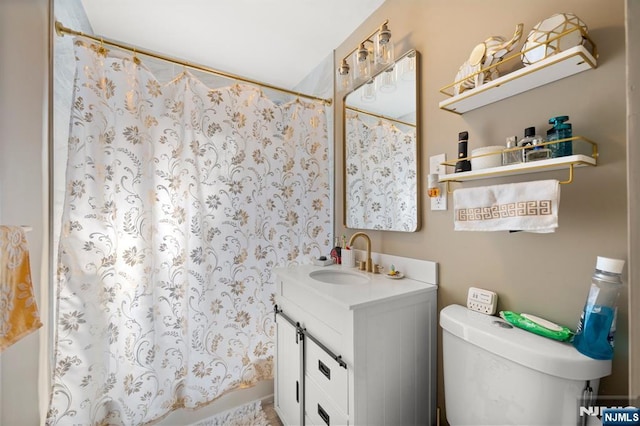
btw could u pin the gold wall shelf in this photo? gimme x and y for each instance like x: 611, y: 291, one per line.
x: 585, y: 154
x: 552, y: 68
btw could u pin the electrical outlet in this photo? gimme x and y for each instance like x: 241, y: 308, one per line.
x: 436, y: 167
x: 481, y: 300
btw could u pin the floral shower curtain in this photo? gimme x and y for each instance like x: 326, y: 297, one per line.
x: 381, y: 169
x: 180, y: 200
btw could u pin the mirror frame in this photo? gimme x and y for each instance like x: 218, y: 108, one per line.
x: 418, y: 142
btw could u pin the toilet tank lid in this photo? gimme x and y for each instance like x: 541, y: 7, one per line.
x: 530, y: 350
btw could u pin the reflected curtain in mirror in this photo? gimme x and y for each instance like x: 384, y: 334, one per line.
x: 381, y: 174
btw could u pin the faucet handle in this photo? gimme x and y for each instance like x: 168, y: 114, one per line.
x: 362, y: 265
x: 377, y: 269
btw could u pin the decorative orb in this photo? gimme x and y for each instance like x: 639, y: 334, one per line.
x: 538, y: 38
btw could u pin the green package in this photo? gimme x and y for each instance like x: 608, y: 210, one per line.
x: 537, y: 325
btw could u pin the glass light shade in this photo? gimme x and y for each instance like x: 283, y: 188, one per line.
x: 344, y: 80
x: 369, y: 91
x: 384, y: 54
x: 408, y: 70
x: 388, y: 80
x: 363, y: 64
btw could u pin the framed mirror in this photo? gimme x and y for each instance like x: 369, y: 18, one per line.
x: 381, y: 150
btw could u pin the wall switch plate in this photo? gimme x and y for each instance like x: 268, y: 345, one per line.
x: 481, y: 300
x: 436, y: 167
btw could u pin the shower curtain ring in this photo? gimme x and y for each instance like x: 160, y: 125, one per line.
x: 102, y: 50
x: 136, y: 60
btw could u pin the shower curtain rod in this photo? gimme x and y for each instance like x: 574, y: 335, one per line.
x: 384, y: 117
x: 61, y: 30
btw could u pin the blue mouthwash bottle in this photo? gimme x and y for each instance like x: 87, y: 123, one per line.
x: 597, y: 325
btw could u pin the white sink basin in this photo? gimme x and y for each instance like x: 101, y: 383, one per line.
x: 334, y: 276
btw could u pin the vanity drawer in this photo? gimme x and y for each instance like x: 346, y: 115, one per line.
x: 327, y: 312
x: 320, y: 409
x: 327, y: 374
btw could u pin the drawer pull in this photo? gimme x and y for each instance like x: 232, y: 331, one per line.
x: 323, y: 414
x: 324, y: 369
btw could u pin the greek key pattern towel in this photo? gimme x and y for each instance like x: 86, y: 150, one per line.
x: 18, y: 309
x: 527, y: 206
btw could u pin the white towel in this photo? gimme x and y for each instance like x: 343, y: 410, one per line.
x: 527, y: 206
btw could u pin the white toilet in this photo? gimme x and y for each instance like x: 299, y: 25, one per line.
x: 497, y: 374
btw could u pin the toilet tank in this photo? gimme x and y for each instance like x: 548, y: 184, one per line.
x: 497, y: 374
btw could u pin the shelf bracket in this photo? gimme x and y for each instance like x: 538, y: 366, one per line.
x: 568, y: 181
x: 449, y: 190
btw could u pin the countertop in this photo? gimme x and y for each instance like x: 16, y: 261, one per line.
x: 379, y: 288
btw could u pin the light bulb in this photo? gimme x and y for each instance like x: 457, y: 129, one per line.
x: 363, y: 67
x: 408, y: 71
x: 384, y: 54
x: 388, y: 80
x: 369, y: 91
x: 343, y: 77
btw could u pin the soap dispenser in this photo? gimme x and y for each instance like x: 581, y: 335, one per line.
x: 560, y: 130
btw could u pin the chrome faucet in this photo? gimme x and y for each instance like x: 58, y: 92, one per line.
x: 368, y: 262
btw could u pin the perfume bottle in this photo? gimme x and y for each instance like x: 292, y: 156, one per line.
x: 539, y: 153
x: 560, y: 130
x: 533, y: 140
x: 463, y: 165
x: 511, y: 155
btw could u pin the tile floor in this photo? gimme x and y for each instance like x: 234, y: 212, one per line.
x: 272, y: 416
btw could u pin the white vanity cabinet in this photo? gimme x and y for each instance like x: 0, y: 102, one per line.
x: 369, y: 350
x: 288, y: 362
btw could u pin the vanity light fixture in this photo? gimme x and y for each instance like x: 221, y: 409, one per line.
x: 374, y: 51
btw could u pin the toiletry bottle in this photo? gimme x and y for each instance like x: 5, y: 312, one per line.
x: 534, y: 140
x: 597, y: 325
x: 336, y: 252
x: 560, y: 130
x: 529, y: 134
x: 539, y: 152
x: 463, y: 165
x: 511, y: 157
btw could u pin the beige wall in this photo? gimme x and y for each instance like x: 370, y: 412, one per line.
x: 547, y: 275
x: 23, y: 127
